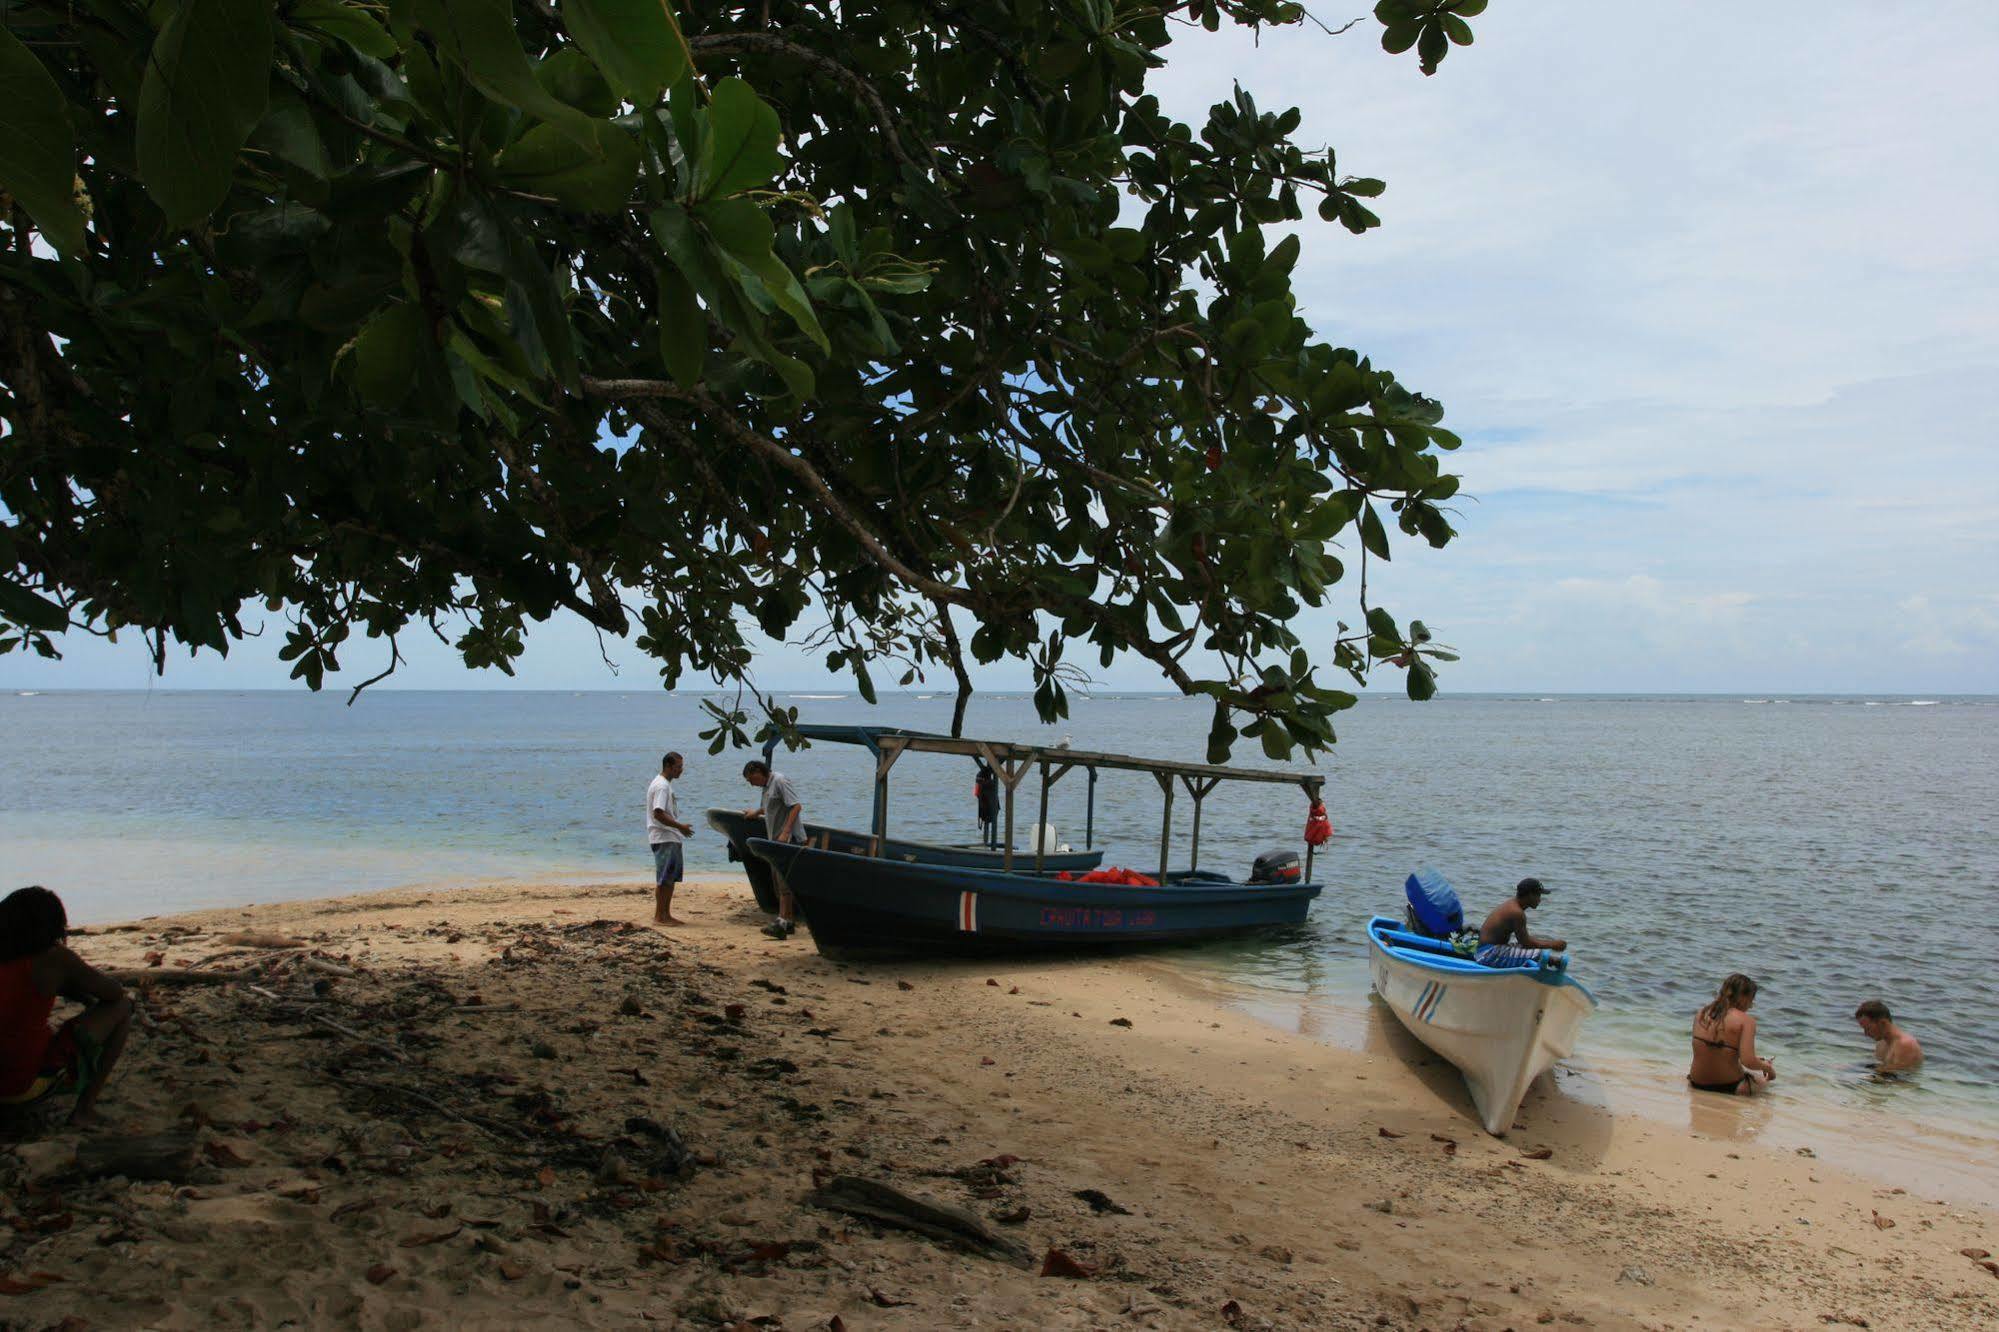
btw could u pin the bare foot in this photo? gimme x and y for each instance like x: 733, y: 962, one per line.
x: 668, y: 920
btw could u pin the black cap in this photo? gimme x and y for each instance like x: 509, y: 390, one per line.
x: 1528, y: 885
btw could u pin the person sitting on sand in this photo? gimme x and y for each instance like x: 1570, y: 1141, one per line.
x: 1505, y: 941
x: 1724, y: 1034
x: 36, y: 969
x: 1895, y: 1050
x: 666, y: 833
x: 784, y: 821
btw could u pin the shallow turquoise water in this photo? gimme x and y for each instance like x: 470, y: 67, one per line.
x: 1836, y: 849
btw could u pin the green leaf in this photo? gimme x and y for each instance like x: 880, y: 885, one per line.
x: 1432, y: 47
x: 1221, y: 735
x: 740, y: 151
x: 1457, y: 30
x: 38, y: 146
x: 594, y: 171
x: 744, y: 230
x: 1422, y: 681
x: 478, y: 36
x: 1372, y: 534
x: 30, y: 610
x: 387, y: 353
x: 204, y: 91
x: 1399, y: 37
x: 636, y: 43
x: 570, y: 77
x: 683, y: 328
x: 352, y: 24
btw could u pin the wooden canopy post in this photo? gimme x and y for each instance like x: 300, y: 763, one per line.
x: 1041, y: 820
x: 1165, y: 822
x: 1010, y: 774
x: 884, y: 760
x: 1090, y: 814
x: 1198, y: 791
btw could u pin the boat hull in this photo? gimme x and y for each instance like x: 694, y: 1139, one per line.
x: 1502, y: 1029
x: 862, y: 904
x: 739, y: 829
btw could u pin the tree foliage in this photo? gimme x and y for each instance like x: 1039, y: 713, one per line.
x: 876, y: 322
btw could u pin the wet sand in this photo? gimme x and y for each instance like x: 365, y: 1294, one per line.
x: 469, y: 1131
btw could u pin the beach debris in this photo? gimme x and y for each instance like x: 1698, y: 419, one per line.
x: 27, y: 1283
x: 987, y: 1061
x: 250, y: 939
x: 1538, y: 1154
x: 1232, y: 1313
x: 1636, y: 1276
x: 1387, y: 1132
x: 1057, y: 1263
x: 880, y: 1201
x: 511, y: 1270
x: 1120, y: 1022
x: 350, y: 1208
x: 379, y: 1273
x: 1100, y: 1203
x: 1851, y: 1320
x: 1278, y: 1254
x: 990, y: 981
x: 631, y: 1005
x: 1806, y: 1151
x: 418, y: 1239
x: 1016, y: 990
x: 164, y: 1156
x: 1018, y: 1216
x: 904, y: 985
x: 1450, y: 1144
x: 1386, y: 1207
x: 1883, y: 1222
x: 881, y: 1301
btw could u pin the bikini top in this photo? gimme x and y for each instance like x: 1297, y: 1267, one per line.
x: 1712, y: 1045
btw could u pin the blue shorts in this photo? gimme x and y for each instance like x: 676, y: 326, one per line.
x: 666, y: 864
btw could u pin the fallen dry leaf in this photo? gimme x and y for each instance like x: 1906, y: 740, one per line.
x: 834, y: 1324
x: 1232, y: 1314
x: 735, y: 1012
x: 545, y: 1176
x: 349, y: 1209
x: 1538, y: 1154
x: 511, y: 1270
x: 418, y: 1239
x: 1450, y: 1144
x: 882, y: 1301
x: 379, y: 1273
x: 1391, y: 1133
x: 1883, y: 1223
x: 154, y: 959
x: 1013, y: 989
x: 987, y: 1061
x: 904, y: 985
x: 437, y: 1213
x: 27, y: 1283
x: 222, y: 1154
x: 1018, y: 1216
x: 1974, y: 1254
x: 990, y: 981
x: 1120, y: 1022
x: 1056, y: 1263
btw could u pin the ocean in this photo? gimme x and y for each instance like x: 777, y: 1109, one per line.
x: 1836, y: 849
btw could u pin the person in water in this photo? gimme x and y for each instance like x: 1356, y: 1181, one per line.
x: 36, y: 969
x: 1895, y: 1050
x: 1725, y: 1058
x: 784, y: 821
x: 1505, y: 941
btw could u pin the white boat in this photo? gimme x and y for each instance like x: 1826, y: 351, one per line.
x: 1502, y: 1027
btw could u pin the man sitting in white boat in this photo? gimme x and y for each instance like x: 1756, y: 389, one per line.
x: 1505, y: 941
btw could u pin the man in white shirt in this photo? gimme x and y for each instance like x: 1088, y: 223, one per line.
x: 784, y: 821
x: 665, y: 832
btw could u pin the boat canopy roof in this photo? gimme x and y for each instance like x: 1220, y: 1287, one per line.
x: 883, y: 740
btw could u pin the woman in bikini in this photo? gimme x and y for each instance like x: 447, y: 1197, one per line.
x: 36, y: 969
x: 1725, y: 1057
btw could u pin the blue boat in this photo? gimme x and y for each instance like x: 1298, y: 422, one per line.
x: 1502, y: 1026
x: 865, y: 898
x: 860, y: 904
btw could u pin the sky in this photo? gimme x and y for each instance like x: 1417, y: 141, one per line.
x: 1712, y: 294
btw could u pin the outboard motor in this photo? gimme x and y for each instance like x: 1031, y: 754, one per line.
x: 1277, y: 867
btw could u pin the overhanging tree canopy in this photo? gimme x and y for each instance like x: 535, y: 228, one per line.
x: 914, y: 315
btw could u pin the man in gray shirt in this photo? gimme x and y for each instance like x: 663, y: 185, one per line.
x: 784, y: 821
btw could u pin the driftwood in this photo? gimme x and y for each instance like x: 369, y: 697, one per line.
x: 168, y: 1156
x: 328, y: 1024
x: 483, y: 1125
x: 325, y: 968
x: 879, y: 1201
x: 251, y: 939
x: 144, y: 976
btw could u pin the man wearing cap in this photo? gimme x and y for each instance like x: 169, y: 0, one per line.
x: 1505, y: 941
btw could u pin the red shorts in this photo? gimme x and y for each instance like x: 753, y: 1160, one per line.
x: 67, y: 1060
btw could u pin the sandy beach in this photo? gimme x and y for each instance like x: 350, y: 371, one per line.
x: 525, y: 1106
